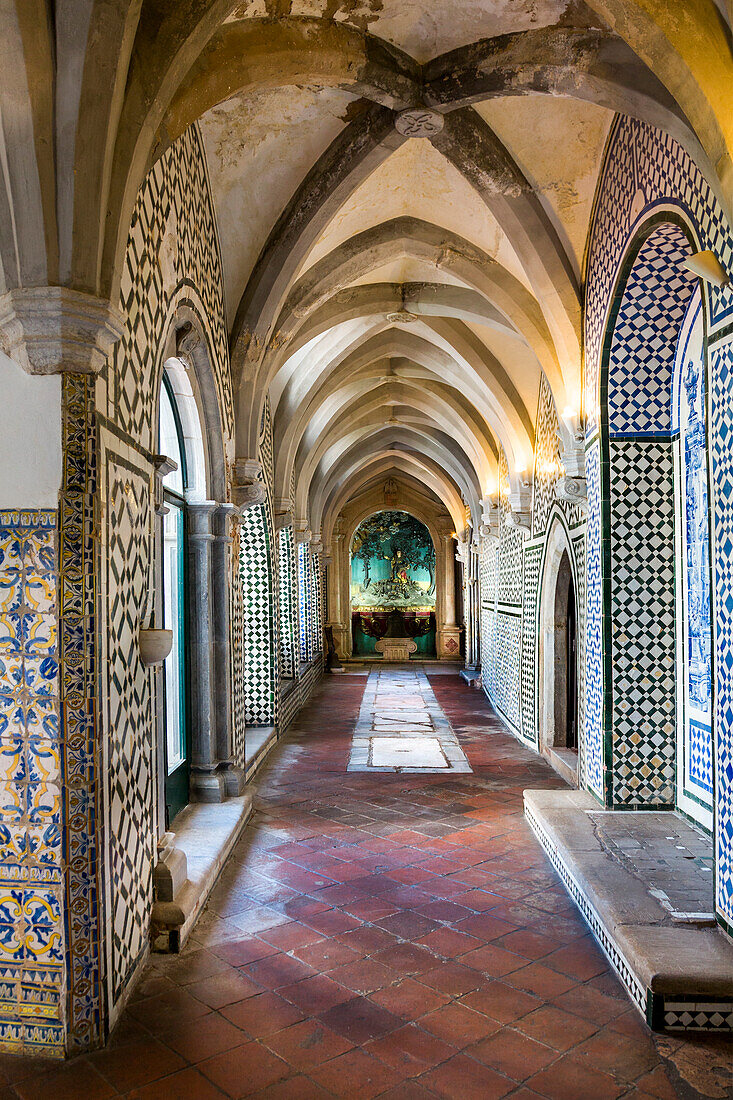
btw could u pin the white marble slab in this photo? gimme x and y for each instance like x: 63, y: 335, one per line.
x: 406, y: 752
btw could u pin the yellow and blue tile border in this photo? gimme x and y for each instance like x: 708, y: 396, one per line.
x: 32, y: 934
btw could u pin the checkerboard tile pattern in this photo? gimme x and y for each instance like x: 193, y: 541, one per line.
x: 507, y: 685
x: 288, y: 625
x: 510, y: 545
x: 642, y: 620
x: 258, y: 618
x: 644, y: 168
x: 593, y: 724
x: 530, y: 588
x: 656, y: 296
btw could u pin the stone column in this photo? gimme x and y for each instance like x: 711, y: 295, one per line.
x: 449, y: 632
x: 207, y: 782
x: 220, y: 580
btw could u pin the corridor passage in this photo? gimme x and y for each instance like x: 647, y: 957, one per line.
x: 392, y: 935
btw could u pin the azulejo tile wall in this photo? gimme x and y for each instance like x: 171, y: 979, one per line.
x: 640, y: 751
x: 172, y: 256
x: 646, y: 173
x: 288, y: 597
x: 258, y: 618
x: 32, y: 934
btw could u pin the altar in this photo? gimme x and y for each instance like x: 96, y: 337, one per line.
x: 393, y: 588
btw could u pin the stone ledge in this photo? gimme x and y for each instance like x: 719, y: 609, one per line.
x: 679, y: 976
x: 258, y: 742
x: 205, y: 834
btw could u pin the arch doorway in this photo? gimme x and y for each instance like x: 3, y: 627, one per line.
x: 559, y: 658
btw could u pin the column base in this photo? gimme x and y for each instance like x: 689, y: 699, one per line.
x: 448, y: 642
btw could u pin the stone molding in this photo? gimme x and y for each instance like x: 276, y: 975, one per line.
x: 248, y: 496
x: 572, y: 490
x: 54, y: 330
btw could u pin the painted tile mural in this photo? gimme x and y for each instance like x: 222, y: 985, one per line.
x: 689, y: 415
x: 32, y: 934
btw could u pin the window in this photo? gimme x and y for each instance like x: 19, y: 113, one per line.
x: 174, y: 607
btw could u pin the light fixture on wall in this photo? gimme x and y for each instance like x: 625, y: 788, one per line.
x: 708, y: 267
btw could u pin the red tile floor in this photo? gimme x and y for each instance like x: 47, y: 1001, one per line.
x: 395, y: 936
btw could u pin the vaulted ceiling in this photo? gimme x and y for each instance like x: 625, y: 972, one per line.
x: 403, y: 189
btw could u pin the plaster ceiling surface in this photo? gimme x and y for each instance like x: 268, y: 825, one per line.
x: 422, y: 28
x: 558, y: 143
x: 259, y: 148
x: 417, y: 181
x: 517, y: 358
x: 408, y: 269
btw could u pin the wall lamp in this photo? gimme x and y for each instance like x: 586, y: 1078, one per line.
x: 707, y: 266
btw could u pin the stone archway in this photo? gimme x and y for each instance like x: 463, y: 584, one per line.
x: 440, y: 526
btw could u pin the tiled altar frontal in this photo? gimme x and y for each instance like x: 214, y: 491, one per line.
x: 31, y: 867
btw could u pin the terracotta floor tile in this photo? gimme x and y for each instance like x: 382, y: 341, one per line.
x: 453, y: 978
x: 409, y: 999
x: 406, y: 958
x: 188, y: 1083
x: 625, y: 1059
x: 462, y: 1078
x: 316, y: 994
x: 533, y: 945
x: 307, y: 1044
x: 355, y: 1074
x: 224, y: 989
x: 286, y: 937
x: 204, y: 1037
x: 515, y: 1055
x: 332, y: 921
x: 278, y: 970
x: 459, y: 1025
x: 242, y: 952
x: 299, y: 1087
x: 408, y: 926
x: 539, y: 979
x: 367, y: 939
x: 263, y: 1014
x: 410, y: 1050
x: 493, y: 961
x: 582, y: 961
x: 360, y: 1020
x: 502, y: 1002
x: 566, y: 1079
x: 363, y: 976
x: 556, y: 1028
x: 244, y: 1070
x: 326, y: 955
x: 66, y: 1082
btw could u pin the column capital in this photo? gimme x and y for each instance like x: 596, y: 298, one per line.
x: 55, y: 330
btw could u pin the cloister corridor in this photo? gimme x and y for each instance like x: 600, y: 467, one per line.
x: 392, y: 936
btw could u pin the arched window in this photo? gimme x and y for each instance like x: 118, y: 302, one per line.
x: 176, y: 743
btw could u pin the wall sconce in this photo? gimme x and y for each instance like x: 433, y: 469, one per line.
x: 708, y: 267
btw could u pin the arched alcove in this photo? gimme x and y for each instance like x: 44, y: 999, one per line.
x: 641, y: 600
x: 393, y: 583
x: 558, y: 673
